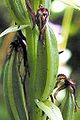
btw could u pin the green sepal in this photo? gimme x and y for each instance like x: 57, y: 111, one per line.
x: 68, y: 107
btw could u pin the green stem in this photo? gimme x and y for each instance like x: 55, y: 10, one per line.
x: 66, y: 25
x: 32, y: 38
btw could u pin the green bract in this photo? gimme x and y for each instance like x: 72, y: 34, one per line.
x: 52, y: 63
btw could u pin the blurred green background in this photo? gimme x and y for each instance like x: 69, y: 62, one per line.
x: 65, y: 22
x: 4, y: 23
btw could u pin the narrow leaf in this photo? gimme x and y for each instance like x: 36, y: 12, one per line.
x: 18, y: 11
x: 73, y: 3
x: 13, y: 29
x: 52, y: 63
x: 51, y: 111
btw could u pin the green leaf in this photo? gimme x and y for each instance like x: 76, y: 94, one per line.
x: 77, y: 115
x: 13, y: 90
x: 18, y: 11
x: 51, y: 110
x: 18, y: 92
x: 5, y: 90
x: 52, y: 63
x: 36, y: 4
x: 9, y: 95
x: 13, y: 29
x: 41, y: 70
x: 72, y: 3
